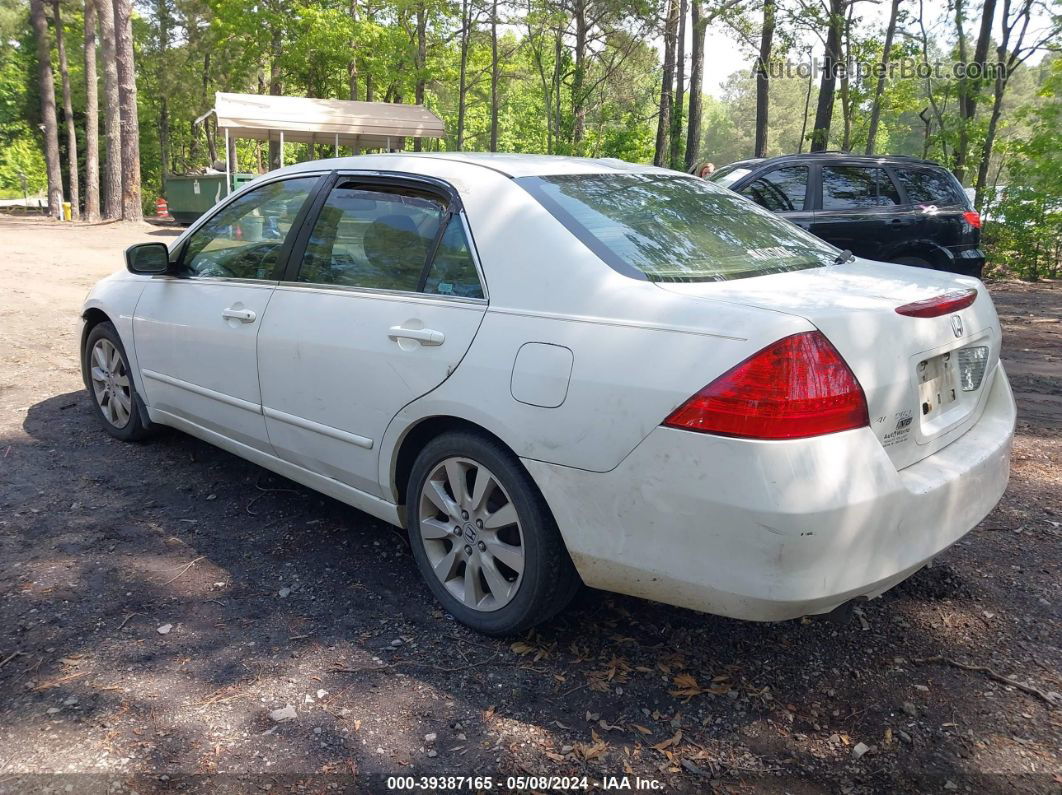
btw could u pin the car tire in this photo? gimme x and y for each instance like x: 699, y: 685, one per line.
x: 109, y: 379
x: 915, y: 262
x: 492, y: 555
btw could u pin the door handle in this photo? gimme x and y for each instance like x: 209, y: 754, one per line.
x: 242, y: 315
x: 425, y: 336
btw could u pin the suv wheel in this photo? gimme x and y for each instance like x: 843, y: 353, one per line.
x: 916, y: 262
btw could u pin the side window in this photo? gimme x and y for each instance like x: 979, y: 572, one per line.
x: 855, y: 187
x: 243, y: 240
x: 928, y: 186
x: 369, y: 236
x: 453, y: 271
x: 781, y: 190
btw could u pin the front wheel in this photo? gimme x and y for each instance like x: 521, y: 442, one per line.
x: 484, y: 538
x: 111, y: 385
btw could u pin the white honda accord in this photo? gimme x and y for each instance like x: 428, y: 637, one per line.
x: 556, y: 371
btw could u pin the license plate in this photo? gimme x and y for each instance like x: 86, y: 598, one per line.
x: 937, y: 384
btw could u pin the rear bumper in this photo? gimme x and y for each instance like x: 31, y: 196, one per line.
x: 967, y: 261
x: 774, y: 530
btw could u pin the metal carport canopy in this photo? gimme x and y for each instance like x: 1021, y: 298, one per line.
x: 361, y: 125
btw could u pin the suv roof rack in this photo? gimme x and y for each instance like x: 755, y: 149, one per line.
x: 841, y: 153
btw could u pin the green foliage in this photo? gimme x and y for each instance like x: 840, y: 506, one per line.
x: 555, y: 96
x: 20, y: 149
x: 1024, y: 227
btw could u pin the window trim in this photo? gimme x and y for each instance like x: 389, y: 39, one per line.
x: 177, y: 258
x: 391, y: 179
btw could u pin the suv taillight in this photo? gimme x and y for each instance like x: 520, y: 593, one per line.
x: 972, y: 218
x: 794, y: 388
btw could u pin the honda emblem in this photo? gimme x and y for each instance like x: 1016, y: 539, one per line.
x: 956, y: 325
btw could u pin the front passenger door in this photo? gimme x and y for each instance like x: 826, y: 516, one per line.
x: 195, y: 334
x: 384, y: 303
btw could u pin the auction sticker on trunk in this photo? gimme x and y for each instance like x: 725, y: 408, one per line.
x: 903, y: 421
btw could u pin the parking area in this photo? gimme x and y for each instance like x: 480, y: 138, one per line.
x: 174, y: 617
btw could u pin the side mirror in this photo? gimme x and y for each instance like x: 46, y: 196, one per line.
x: 148, y: 259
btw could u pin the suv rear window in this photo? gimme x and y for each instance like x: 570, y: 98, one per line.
x: 929, y: 186
x: 674, y: 228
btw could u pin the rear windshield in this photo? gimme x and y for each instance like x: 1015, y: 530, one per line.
x: 930, y: 186
x: 675, y: 228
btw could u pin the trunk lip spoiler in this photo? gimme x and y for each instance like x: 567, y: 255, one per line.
x: 937, y: 305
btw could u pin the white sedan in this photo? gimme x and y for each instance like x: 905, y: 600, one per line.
x: 556, y: 371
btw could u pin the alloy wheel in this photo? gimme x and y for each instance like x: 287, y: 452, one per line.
x: 471, y: 534
x: 110, y: 383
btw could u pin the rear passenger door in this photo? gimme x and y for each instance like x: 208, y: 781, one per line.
x: 784, y: 191
x: 381, y: 299
x: 860, y: 210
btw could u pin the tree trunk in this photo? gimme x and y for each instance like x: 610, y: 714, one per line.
x: 276, y: 87
x: 579, y: 76
x: 462, y: 87
x: 969, y: 88
x: 421, y: 64
x: 130, y: 129
x: 879, y: 90
x: 989, y: 142
x: 847, y: 106
x: 112, y: 119
x: 693, y: 126
x: 68, y: 113
x: 667, y: 85
x: 680, y: 90
x: 763, y: 78
x: 352, y: 64
x: 820, y: 133
x: 92, y: 119
x: 163, y: 13
x: 961, y: 95
x: 807, y: 104
x: 51, y: 125
x: 558, y: 66
x: 494, y: 76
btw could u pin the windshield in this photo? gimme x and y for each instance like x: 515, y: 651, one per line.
x: 728, y: 175
x: 668, y: 227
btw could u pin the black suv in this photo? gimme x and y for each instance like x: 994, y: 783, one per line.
x: 890, y: 209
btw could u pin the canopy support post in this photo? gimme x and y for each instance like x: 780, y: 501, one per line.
x: 357, y: 146
x: 282, y: 149
x: 337, y: 145
x: 228, y: 178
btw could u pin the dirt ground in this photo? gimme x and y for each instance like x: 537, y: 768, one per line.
x: 274, y: 596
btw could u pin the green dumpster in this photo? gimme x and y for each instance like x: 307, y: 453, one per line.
x: 188, y: 197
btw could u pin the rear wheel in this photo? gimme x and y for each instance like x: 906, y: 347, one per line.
x: 111, y: 385
x: 916, y: 262
x: 483, y: 537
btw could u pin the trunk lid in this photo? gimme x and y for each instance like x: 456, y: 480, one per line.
x: 925, y: 379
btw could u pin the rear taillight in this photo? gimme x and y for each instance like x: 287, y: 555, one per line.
x: 794, y: 388
x: 943, y: 304
x: 972, y: 218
